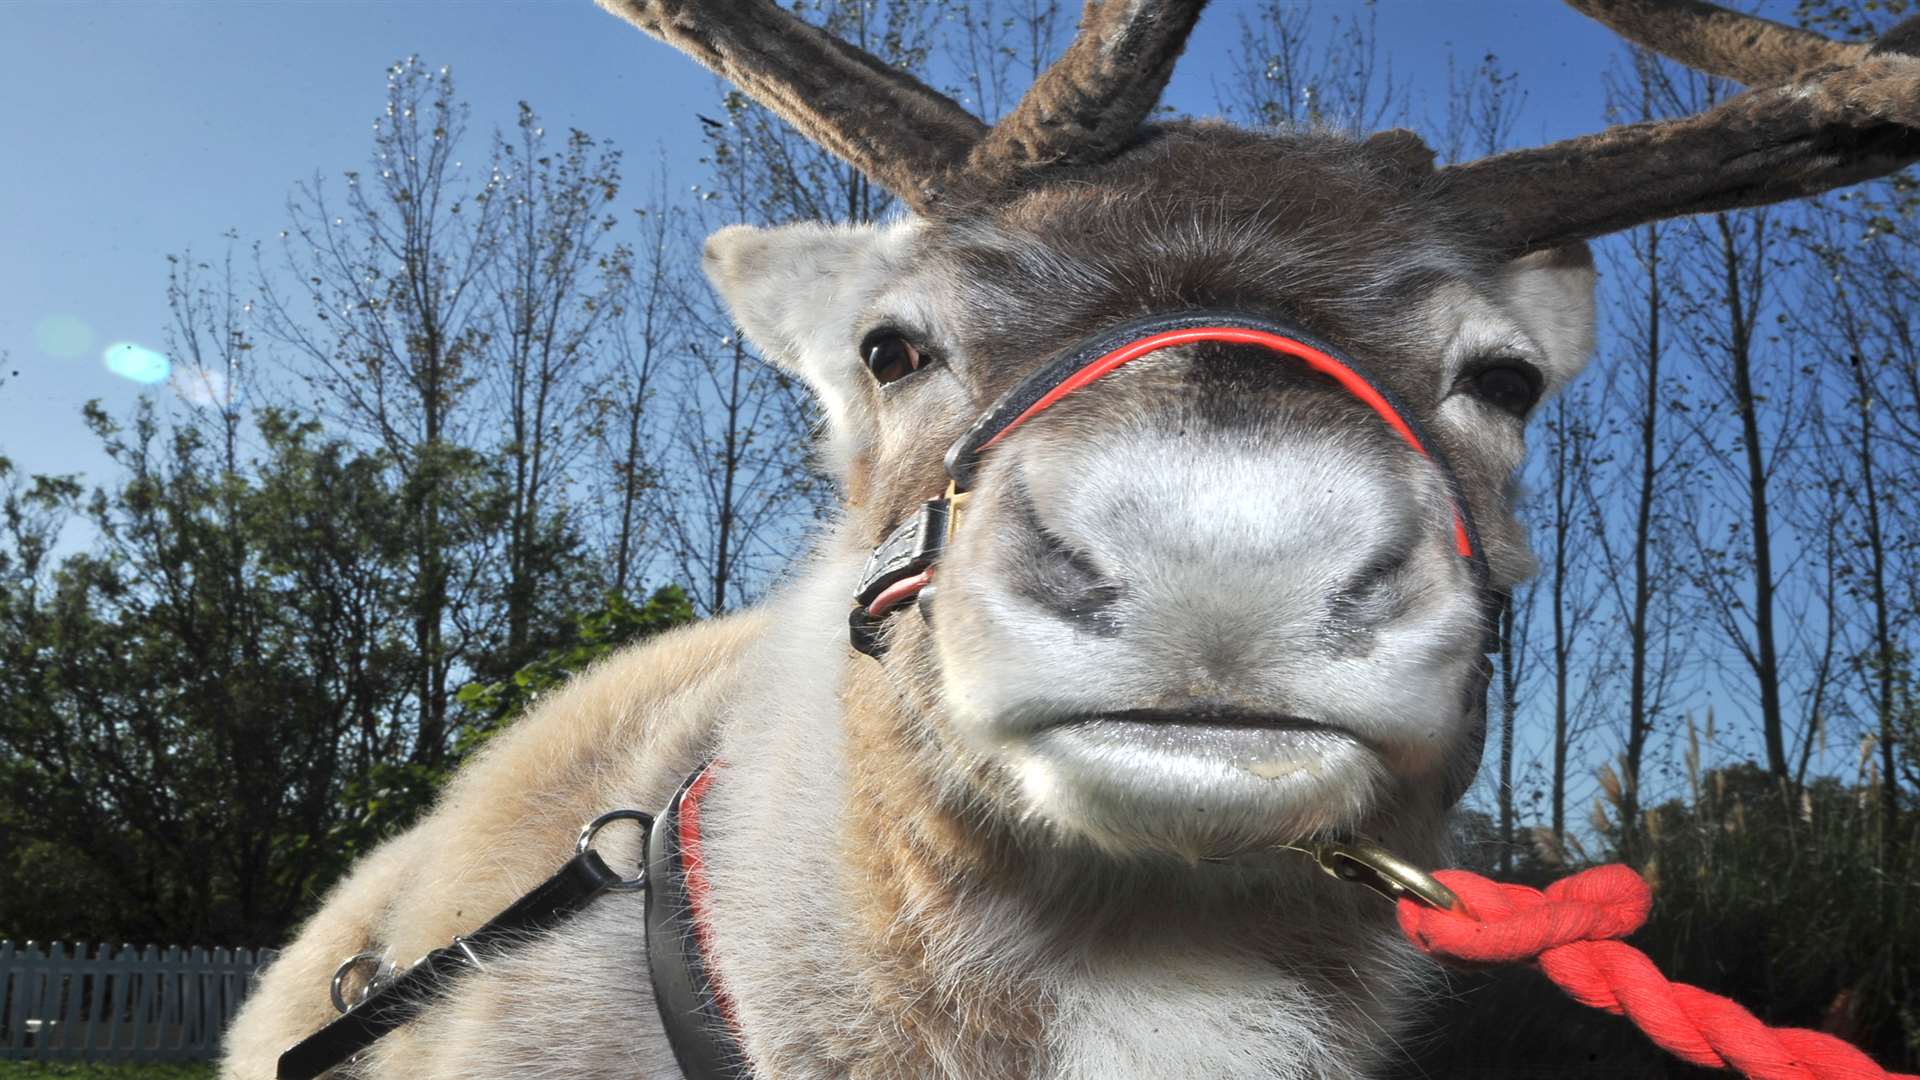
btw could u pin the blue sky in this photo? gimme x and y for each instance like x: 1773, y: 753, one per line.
x: 140, y: 128
x: 137, y: 129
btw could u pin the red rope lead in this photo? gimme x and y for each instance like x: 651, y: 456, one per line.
x: 1568, y: 930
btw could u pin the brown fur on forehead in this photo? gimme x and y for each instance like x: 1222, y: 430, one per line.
x: 1313, y: 228
x: 1316, y: 229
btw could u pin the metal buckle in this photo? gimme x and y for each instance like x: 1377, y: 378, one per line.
x: 1366, y: 863
x: 909, y: 549
x: 956, y: 501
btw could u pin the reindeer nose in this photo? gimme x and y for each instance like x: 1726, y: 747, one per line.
x: 1219, y: 551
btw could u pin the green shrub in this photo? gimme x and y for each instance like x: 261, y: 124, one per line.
x: 103, y: 1070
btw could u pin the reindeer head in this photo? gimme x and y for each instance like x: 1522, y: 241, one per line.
x: 1214, y: 599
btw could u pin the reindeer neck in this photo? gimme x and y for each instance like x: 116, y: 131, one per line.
x: 941, y: 908
x: 1004, y: 955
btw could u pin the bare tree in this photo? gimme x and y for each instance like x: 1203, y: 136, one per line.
x: 642, y: 342
x: 388, y: 324
x: 1285, y: 74
x: 1744, y: 279
x: 1571, y: 596
x: 1640, y: 709
x: 1870, y: 242
x: 1645, y: 568
x: 211, y: 346
x: 1000, y: 47
x: 1482, y: 107
x: 743, y: 482
x: 1861, y: 344
x: 553, y: 283
x: 1822, y: 607
x: 1726, y: 294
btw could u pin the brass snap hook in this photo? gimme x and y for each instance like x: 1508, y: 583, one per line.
x: 1366, y: 863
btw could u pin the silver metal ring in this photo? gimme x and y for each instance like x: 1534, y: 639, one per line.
x: 346, y: 967
x: 638, y: 881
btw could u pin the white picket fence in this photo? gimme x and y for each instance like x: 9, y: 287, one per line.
x: 128, y: 1004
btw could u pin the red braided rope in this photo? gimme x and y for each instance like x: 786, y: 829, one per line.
x: 1568, y: 929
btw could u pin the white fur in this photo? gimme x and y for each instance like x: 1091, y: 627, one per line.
x: 1553, y: 300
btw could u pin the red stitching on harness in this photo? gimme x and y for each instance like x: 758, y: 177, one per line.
x: 694, y: 864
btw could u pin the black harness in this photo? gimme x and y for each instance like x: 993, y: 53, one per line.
x: 695, y: 1008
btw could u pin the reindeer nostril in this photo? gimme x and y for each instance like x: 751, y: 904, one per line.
x: 1068, y: 582
x: 1370, y: 596
x: 1087, y: 595
x: 1377, y: 575
x: 1064, y: 580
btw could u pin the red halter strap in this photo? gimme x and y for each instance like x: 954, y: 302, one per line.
x: 1318, y: 359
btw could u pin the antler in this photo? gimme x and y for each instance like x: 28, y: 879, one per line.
x: 1744, y: 48
x: 1089, y: 104
x: 899, y: 131
x: 1822, y: 131
x: 909, y: 138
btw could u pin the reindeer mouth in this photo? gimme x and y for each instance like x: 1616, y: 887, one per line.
x: 1198, y: 780
x: 1268, y: 746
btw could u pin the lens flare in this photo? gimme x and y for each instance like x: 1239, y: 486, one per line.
x: 136, y: 362
x: 200, y: 386
x: 63, y: 336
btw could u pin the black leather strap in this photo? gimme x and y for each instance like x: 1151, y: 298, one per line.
x: 915, y: 544
x: 697, y: 1027
x: 963, y: 457
x: 573, y: 887
x: 908, y: 550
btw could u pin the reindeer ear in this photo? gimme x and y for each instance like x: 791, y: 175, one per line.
x: 798, y: 292
x: 1551, y: 293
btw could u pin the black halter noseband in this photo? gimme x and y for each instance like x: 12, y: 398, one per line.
x: 902, y: 566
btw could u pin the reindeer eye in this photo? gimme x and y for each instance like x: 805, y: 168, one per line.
x: 1512, y: 386
x: 890, y: 356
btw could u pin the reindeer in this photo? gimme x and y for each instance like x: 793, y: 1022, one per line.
x: 1213, y: 602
